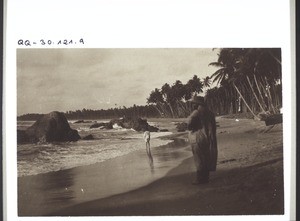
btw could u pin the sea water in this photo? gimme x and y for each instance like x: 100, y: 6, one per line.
x: 42, y: 158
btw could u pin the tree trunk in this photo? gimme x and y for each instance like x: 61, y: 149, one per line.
x: 270, y: 97
x: 244, y: 100
x: 160, y: 113
x: 172, y: 111
x: 182, y: 107
x: 259, y: 91
x: 164, y: 110
x: 255, y: 95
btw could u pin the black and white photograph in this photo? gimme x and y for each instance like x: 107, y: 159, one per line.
x: 149, y: 131
x: 144, y: 109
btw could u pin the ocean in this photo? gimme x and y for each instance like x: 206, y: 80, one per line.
x: 43, y: 158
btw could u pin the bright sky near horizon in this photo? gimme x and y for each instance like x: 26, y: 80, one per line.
x: 73, y: 79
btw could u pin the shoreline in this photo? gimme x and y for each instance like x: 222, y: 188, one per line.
x: 174, y: 194
x: 174, y: 138
x: 136, y: 143
x: 248, y: 180
x: 63, y: 188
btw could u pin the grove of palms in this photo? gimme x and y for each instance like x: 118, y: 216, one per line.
x: 247, y: 80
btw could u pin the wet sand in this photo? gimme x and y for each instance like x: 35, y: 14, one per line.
x: 248, y: 180
x: 54, y: 191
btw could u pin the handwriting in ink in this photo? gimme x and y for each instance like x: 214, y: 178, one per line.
x: 49, y: 42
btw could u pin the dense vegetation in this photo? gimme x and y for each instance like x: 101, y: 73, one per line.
x: 247, y: 80
x: 147, y: 111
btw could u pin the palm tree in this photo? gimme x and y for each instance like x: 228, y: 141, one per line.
x: 168, y: 97
x: 261, y: 69
x: 179, y: 94
x: 254, y: 70
x: 229, y: 62
x: 206, y: 81
x: 156, y: 98
x: 195, y: 85
x: 226, y: 64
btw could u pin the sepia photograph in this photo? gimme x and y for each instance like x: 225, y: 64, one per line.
x: 149, y: 131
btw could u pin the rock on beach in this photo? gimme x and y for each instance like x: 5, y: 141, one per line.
x: 52, y: 127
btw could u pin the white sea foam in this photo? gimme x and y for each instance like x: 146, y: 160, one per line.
x: 42, y: 158
x: 152, y: 135
x: 36, y: 159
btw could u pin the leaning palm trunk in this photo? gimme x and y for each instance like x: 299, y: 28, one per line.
x: 159, y: 111
x: 172, y: 111
x: 244, y: 91
x: 272, y: 102
x: 179, y: 110
x: 261, y: 107
x: 184, y: 110
x: 164, y: 110
x: 188, y: 108
x: 244, y: 100
x: 271, y: 108
x: 167, y: 110
x: 276, y: 98
x: 259, y: 91
x: 271, y: 99
x: 267, y: 91
x: 267, y: 96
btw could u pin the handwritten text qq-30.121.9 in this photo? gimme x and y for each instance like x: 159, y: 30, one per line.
x: 43, y: 42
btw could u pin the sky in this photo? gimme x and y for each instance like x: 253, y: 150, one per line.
x: 73, y: 79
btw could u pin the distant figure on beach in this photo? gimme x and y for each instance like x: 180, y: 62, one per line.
x: 202, y: 137
x: 147, y: 140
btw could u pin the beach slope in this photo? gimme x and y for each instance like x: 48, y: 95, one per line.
x: 248, y: 180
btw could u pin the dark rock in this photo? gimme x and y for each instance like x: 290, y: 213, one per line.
x: 72, y: 135
x: 163, y: 130
x: 50, y: 128
x: 88, y: 137
x: 105, y: 125
x: 153, y: 129
x: 22, y: 137
x: 137, y: 124
x: 79, y: 121
x: 96, y: 125
x: 82, y: 121
x: 181, y: 127
x: 273, y: 119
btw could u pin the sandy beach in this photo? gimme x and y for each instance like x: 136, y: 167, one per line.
x: 248, y: 180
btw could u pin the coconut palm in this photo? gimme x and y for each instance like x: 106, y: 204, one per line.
x: 168, y: 96
x: 261, y: 69
x: 157, y: 98
x: 195, y: 85
x: 180, y: 93
x: 250, y: 70
x: 206, y: 81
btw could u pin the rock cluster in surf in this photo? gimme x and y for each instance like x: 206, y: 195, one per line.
x: 52, y: 127
x: 138, y: 124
